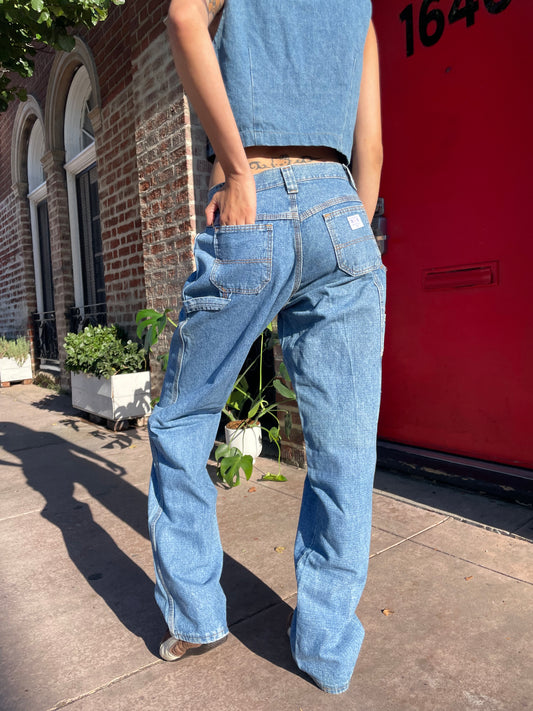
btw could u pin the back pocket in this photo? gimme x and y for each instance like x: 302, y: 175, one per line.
x: 353, y: 240
x: 243, y: 258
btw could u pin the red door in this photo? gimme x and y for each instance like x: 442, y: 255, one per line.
x: 457, y: 82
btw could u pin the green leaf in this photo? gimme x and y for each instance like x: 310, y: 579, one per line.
x: 37, y: 5
x: 284, y: 372
x: 231, y: 460
x: 247, y: 465
x: 283, y: 390
x: 163, y: 359
x: 151, y: 321
x: 273, y: 434
x: 230, y: 466
x: 66, y: 42
x: 252, y: 412
x: 273, y: 477
x: 223, y: 450
x: 237, y: 398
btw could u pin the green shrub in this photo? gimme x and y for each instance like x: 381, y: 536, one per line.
x: 18, y: 349
x: 103, y: 351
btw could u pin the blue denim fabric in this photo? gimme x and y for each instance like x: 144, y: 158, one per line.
x: 311, y: 258
x: 292, y: 70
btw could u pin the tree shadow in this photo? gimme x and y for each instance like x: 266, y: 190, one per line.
x: 53, y: 467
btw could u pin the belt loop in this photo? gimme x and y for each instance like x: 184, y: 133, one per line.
x: 288, y: 177
x: 349, y: 176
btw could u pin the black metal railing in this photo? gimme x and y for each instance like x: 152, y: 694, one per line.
x: 89, y: 314
x: 45, y: 336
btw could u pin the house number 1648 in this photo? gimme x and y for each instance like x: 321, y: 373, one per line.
x: 432, y: 20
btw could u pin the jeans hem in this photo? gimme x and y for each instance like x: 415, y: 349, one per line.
x: 220, y: 633
x: 338, y: 689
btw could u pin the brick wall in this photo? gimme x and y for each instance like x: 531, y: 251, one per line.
x: 6, y: 125
x: 60, y: 248
x: 119, y: 210
x: 16, y: 266
x: 165, y: 145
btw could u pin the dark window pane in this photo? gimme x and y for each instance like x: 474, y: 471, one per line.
x: 90, y: 237
x: 46, y: 256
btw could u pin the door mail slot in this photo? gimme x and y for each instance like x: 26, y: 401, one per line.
x: 460, y: 277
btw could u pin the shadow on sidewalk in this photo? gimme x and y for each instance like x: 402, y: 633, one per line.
x: 55, y: 468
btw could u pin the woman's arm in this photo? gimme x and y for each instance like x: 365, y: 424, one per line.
x: 199, y: 71
x: 367, y: 154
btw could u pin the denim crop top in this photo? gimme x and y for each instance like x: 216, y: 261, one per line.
x: 292, y: 69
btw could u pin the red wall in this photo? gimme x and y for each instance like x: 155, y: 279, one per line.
x: 457, y: 121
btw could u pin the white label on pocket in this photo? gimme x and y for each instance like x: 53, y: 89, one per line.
x: 355, y: 221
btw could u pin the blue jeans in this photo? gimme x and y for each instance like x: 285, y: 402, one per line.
x: 311, y: 258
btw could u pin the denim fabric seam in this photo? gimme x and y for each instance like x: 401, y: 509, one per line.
x: 330, y: 203
x: 317, y: 170
x: 213, y: 636
x: 175, y: 385
x: 382, y: 311
x: 204, y: 303
x: 263, y: 216
x: 332, y: 689
x: 298, y: 250
x: 241, y: 228
x: 350, y: 177
x: 299, y: 178
x: 344, y: 210
x: 169, y: 598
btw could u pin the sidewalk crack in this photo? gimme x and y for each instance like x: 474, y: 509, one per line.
x: 473, y: 562
x: 408, y: 538
x: 67, y: 702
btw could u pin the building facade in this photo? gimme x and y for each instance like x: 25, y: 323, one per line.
x: 102, y: 173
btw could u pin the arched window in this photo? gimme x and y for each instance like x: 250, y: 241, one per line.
x: 82, y: 187
x: 39, y: 221
x: 44, y: 319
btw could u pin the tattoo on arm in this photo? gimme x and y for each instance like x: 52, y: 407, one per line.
x: 213, y: 8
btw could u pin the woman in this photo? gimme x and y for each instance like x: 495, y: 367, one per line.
x: 278, y: 93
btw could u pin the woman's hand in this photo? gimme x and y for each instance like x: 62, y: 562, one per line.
x: 235, y: 203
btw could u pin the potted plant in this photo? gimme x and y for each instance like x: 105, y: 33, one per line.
x: 15, y: 361
x: 108, y: 373
x: 243, y: 409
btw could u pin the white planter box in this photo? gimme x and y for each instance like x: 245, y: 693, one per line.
x: 116, y: 398
x: 11, y: 371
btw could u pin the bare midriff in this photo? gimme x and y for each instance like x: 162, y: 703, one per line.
x: 262, y: 158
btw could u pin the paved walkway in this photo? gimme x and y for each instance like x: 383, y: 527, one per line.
x: 448, y: 607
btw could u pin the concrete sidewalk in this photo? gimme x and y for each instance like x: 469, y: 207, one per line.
x: 80, y: 629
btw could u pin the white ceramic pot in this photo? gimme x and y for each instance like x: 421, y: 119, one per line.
x: 247, y: 439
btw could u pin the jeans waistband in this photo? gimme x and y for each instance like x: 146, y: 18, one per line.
x: 289, y: 176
